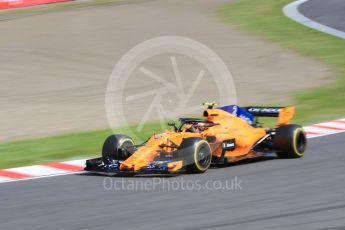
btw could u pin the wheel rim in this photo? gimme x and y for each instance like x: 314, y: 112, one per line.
x: 203, y: 157
x: 124, y: 154
x: 301, y: 142
x: 126, y: 143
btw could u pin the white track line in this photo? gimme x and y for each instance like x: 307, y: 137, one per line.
x: 6, y: 179
x: 325, y: 134
x: 317, y: 130
x: 38, y: 170
x: 79, y: 162
x: 291, y: 11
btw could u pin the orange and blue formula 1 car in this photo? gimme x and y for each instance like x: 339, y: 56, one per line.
x: 226, y: 134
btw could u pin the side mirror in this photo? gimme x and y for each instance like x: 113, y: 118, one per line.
x: 172, y: 124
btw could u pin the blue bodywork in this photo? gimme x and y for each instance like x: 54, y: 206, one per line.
x: 157, y: 166
x: 113, y: 166
x: 110, y: 165
x: 239, y: 112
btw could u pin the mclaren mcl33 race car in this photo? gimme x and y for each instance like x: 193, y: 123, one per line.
x: 226, y: 134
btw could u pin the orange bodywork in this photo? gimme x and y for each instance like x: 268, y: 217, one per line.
x: 227, y: 127
x: 285, y: 115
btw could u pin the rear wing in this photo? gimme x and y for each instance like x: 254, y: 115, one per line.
x: 284, y: 114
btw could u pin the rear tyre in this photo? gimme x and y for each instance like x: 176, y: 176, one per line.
x: 290, y: 141
x: 117, y: 147
x: 196, y: 154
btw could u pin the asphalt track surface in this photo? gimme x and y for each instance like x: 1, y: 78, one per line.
x: 306, y: 193
x: 330, y: 13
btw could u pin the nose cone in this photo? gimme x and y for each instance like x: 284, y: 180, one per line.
x: 141, y: 158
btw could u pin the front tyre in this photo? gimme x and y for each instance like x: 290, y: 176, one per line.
x: 290, y: 141
x: 196, y: 153
x: 117, y: 147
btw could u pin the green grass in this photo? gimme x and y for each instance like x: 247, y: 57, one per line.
x: 69, y: 146
x: 265, y: 19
